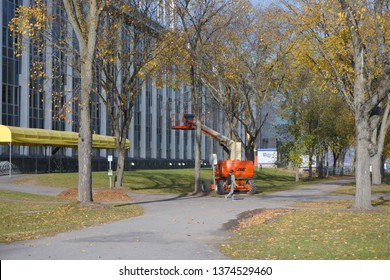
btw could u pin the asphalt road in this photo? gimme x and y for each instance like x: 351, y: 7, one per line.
x: 172, y: 228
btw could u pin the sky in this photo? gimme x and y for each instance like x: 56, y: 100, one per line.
x: 261, y: 2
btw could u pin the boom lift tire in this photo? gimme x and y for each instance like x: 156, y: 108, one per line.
x: 206, y: 186
x: 220, y: 187
x: 252, y: 189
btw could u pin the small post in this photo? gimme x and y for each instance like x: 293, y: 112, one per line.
x: 109, y: 169
x: 10, y: 160
x: 213, y: 162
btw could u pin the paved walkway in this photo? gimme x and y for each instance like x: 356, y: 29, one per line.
x: 172, y: 228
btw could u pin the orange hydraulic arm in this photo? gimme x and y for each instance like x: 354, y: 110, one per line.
x: 231, y: 147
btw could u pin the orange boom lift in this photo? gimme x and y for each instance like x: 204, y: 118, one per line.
x: 243, y: 169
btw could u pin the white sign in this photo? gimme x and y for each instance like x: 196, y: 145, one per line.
x: 109, y: 158
x: 267, y: 156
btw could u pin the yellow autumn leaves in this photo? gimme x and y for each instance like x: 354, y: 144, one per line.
x: 30, y: 20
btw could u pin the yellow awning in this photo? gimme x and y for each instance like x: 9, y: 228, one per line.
x: 42, y: 137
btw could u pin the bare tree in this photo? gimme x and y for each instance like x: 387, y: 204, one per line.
x: 198, y: 21
x: 35, y: 22
x: 84, y: 17
x: 128, y: 45
x: 246, y: 71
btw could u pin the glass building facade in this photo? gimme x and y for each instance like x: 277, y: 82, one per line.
x: 50, y: 101
x: 10, y: 70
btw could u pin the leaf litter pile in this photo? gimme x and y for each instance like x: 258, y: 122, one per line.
x: 256, y: 217
x: 101, y: 195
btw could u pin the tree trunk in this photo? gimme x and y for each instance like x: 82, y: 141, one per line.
x: 120, y: 167
x: 311, y: 163
x: 320, y: 166
x: 362, y: 171
x: 320, y: 160
x: 196, y: 96
x: 198, y: 134
x: 250, y: 152
x: 335, y: 158
x: 362, y: 110
x: 85, y: 27
x: 342, y: 162
x: 296, y: 173
x: 327, y: 163
x: 85, y: 134
x: 352, y: 161
x: 376, y: 162
x: 378, y: 137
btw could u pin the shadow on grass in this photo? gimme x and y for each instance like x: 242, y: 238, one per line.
x: 381, y: 201
x: 162, y: 181
x: 178, y: 197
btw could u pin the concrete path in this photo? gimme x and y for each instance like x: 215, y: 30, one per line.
x: 172, y: 228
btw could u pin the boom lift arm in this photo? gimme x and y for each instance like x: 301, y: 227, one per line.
x: 232, y: 148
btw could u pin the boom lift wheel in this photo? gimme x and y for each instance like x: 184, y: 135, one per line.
x: 252, y: 184
x: 220, y: 187
x: 206, y: 186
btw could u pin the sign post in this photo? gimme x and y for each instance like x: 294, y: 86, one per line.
x: 109, y: 169
x: 213, y: 161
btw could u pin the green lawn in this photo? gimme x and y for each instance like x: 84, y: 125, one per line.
x: 163, y: 181
x: 376, y: 189
x: 156, y: 181
x: 350, y: 190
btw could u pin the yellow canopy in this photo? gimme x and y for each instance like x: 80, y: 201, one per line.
x: 43, y: 137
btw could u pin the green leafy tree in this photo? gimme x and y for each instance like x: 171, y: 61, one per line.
x: 345, y: 40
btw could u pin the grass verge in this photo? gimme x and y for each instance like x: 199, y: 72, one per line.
x: 350, y: 190
x: 27, y: 216
x: 149, y: 181
x: 321, y: 230
x: 175, y: 181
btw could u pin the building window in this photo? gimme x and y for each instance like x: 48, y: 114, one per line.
x: 10, y: 90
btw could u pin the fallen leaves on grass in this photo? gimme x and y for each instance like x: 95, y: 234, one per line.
x: 258, y: 217
x: 381, y: 202
x: 102, y: 195
x: 312, y: 234
x: 324, y: 204
x: 26, y: 220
